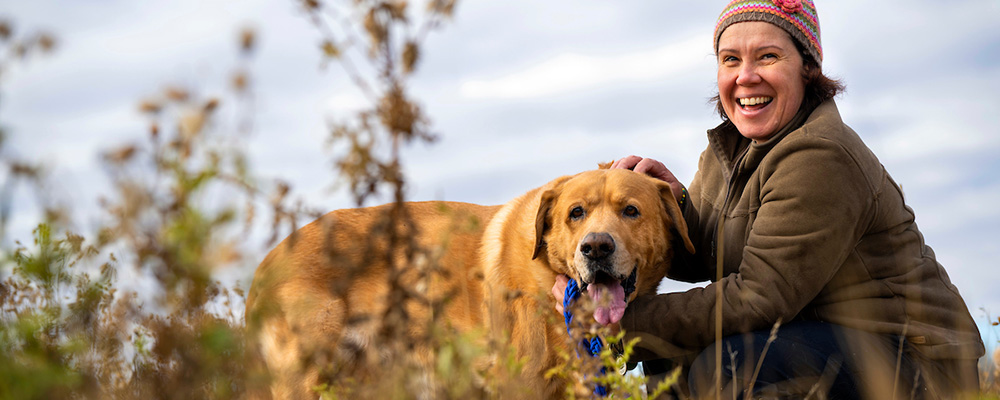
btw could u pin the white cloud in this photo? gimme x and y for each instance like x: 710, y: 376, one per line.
x: 932, y: 136
x: 346, y: 103
x: 964, y: 208
x: 550, y: 153
x: 573, y: 72
x: 942, y: 116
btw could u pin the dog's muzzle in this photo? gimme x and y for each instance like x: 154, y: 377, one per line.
x: 598, y: 249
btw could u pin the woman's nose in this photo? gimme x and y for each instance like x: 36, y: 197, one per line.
x: 748, y: 75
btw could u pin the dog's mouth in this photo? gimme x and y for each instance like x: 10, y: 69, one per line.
x: 610, y: 295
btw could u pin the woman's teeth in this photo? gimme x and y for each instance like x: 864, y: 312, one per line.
x: 752, y: 101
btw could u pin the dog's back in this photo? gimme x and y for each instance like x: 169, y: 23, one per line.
x: 322, y: 293
x: 332, y: 291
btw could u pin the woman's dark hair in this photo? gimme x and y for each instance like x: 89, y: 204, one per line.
x: 819, y: 87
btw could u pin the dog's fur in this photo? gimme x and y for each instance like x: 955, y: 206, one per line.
x: 308, y: 296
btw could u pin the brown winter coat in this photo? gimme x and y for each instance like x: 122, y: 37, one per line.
x: 814, y: 229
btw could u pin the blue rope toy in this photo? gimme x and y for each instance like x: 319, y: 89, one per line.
x: 594, y: 345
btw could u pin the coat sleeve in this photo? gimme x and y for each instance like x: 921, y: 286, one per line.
x: 813, y: 201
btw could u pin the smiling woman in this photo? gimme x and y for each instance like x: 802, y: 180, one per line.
x: 821, y: 281
x: 760, y: 87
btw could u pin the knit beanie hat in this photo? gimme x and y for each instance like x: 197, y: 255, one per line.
x: 797, y: 17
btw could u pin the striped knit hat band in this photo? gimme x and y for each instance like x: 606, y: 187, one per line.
x: 797, y: 17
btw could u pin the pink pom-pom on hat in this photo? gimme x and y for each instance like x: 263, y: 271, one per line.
x: 789, y: 6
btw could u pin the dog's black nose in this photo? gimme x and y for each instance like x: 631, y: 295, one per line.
x: 597, y: 246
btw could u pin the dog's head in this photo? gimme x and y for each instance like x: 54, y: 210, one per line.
x: 611, y: 230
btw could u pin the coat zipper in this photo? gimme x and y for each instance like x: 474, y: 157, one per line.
x: 716, y: 249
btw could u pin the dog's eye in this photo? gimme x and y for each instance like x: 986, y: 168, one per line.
x: 576, y: 213
x: 631, y: 212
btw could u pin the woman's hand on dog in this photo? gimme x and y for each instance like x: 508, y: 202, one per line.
x: 652, y: 168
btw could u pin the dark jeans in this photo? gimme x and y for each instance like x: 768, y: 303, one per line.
x: 821, y: 360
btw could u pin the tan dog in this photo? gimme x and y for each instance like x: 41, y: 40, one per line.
x: 608, y: 229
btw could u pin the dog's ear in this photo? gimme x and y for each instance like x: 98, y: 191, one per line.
x: 542, y: 220
x: 676, y: 216
x: 605, y: 165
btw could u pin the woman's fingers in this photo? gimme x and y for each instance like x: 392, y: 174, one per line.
x: 628, y: 162
x: 559, y: 291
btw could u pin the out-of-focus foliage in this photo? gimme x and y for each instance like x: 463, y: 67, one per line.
x: 70, y: 328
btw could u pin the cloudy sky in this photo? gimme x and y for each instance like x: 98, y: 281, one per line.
x: 521, y: 92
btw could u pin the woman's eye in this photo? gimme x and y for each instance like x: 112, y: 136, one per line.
x: 576, y: 213
x: 631, y: 212
x: 729, y: 59
x: 769, y: 56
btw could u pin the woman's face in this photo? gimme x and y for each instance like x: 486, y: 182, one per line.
x: 760, y: 78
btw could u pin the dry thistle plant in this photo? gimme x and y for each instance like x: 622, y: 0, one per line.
x: 580, y: 369
x: 70, y: 329
x: 386, y: 38
x: 991, y: 375
x: 989, y: 365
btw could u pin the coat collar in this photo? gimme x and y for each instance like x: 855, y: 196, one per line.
x: 729, y: 145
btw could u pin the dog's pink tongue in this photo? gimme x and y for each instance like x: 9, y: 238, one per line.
x: 610, y: 301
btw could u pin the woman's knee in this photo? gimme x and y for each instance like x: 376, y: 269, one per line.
x: 800, y: 357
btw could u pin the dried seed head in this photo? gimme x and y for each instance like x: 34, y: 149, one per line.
x: 311, y: 4
x: 6, y: 30
x: 120, y: 155
x: 330, y: 50
x: 210, y: 105
x: 150, y: 107
x: 397, y: 10
x: 46, y: 42
x: 239, y: 81
x: 410, y: 55
x: 248, y: 38
x: 377, y: 31
x: 444, y: 7
x: 176, y: 94
x: 191, y: 124
x: 397, y: 113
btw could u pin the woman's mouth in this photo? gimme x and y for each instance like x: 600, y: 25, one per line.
x: 754, y: 103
